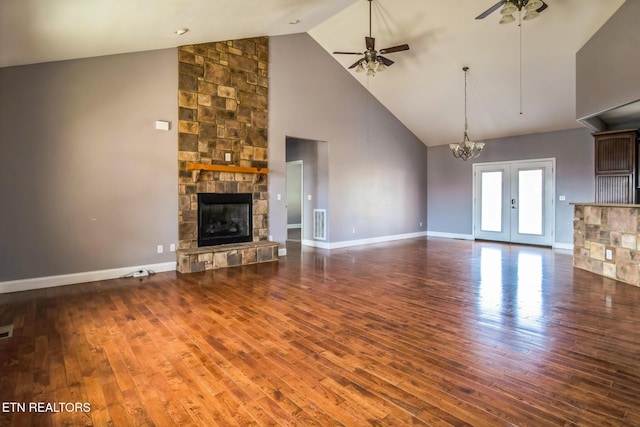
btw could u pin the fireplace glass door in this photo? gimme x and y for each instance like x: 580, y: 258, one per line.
x: 224, y: 218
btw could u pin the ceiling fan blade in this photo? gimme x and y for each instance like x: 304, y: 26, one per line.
x: 385, y: 61
x: 370, y: 42
x: 490, y: 10
x: 347, y: 53
x: 543, y: 7
x: 398, y: 48
x: 355, y: 64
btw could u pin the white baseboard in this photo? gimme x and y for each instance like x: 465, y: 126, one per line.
x: 369, y: 241
x: 74, y: 278
x: 556, y: 245
x: 450, y: 235
x: 290, y: 226
x: 563, y: 246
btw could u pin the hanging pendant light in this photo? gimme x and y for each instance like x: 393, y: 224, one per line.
x: 533, y: 5
x: 507, y: 19
x: 466, y: 149
x: 509, y: 8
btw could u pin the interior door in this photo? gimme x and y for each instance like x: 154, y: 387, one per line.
x: 513, y: 201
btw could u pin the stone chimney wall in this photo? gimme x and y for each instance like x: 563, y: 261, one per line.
x: 223, y: 102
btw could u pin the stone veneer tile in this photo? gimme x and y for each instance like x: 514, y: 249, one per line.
x: 615, y: 239
x: 592, y: 232
x: 582, y: 262
x: 622, y: 219
x: 629, y: 241
x: 628, y: 272
x: 597, y: 251
x: 578, y: 239
x: 220, y: 260
x: 609, y: 270
x: 597, y: 266
x: 592, y: 215
x: 578, y: 211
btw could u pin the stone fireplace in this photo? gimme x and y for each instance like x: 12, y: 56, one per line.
x: 222, y: 144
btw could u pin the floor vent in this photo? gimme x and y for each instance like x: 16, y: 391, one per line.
x: 6, y: 331
x: 320, y: 224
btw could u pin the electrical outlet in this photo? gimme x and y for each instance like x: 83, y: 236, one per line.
x: 608, y: 254
x: 172, y: 247
x: 420, y: 224
x: 160, y: 249
x: 227, y: 157
x: 353, y: 230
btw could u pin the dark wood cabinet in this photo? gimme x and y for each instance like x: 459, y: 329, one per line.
x: 616, y: 166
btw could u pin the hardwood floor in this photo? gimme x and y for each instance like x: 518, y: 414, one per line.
x: 415, y: 332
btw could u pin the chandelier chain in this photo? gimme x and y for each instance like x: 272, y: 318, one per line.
x: 466, y: 149
x: 466, y: 126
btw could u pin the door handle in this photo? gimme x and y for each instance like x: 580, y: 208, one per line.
x: 513, y: 203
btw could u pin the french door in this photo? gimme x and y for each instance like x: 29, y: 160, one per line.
x: 513, y: 201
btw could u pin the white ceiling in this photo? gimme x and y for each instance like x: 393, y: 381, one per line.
x: 424, y: 88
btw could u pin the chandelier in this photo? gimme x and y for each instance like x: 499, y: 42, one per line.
x: 532, y: 10
x: 466, y: 149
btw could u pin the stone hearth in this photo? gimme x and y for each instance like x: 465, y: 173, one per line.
x: 223, y: 256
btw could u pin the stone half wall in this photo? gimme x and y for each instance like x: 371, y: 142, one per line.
x: 606, y: 241
x: 223, y: 101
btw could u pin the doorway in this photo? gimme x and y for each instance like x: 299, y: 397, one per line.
x: 513, y: 201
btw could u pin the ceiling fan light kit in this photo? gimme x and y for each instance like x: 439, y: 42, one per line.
x: 466, y: 149
x: 532, y: 9
x: 371, y: 61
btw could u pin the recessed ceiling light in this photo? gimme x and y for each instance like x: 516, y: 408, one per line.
x: 294, y: 22
x: 181, y: 31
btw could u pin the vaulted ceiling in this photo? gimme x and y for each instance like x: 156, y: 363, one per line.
x: 521, y: 79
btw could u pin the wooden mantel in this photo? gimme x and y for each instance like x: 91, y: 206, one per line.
x: 196, y: 168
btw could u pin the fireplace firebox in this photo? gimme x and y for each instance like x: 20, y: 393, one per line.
x: 224, y: 218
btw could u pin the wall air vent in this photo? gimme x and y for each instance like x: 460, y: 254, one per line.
x: 320, y: 224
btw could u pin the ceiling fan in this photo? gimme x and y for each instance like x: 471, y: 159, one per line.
x: 532, y: 9
x: 372, y: 61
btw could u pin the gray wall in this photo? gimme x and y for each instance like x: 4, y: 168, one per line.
x: 87, y: 182
x: 608, y: 65
x: 450, y: 180
x: 377, y: 173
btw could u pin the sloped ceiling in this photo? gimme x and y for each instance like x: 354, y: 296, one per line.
x: 508, y: 75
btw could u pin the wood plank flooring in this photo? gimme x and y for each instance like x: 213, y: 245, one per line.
x: 417, y: 332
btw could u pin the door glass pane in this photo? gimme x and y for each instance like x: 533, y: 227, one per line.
x: 491, y: 201
x: 530, y: 201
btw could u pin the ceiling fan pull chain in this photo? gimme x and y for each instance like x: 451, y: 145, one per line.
x: 520, y: 30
